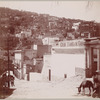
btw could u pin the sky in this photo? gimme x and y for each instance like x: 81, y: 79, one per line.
x: 69, y: 9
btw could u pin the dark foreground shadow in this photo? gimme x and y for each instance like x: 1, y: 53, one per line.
x: 6, y: 92
x: 81, y: 95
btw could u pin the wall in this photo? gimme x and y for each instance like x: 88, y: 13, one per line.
x: 61, y: 64
x: 39, y: 66
x: 17, y: 70
x: 43, y: 49
x: 28, y: 56
x: 18, y: 58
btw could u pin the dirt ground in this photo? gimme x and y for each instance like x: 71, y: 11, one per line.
x: 39, y: 89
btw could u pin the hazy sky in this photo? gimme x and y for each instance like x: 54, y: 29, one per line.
x: 70, y: 9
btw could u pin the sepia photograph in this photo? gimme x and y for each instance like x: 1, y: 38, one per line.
x: 49, y: 49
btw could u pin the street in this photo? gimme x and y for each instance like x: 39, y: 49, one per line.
x: 63, y: 88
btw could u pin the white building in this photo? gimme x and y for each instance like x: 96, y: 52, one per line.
x: 75, y: 26
x: 20, y: 68
x: 50, y: 40
x: 68, y: 57
x: 25, y: 33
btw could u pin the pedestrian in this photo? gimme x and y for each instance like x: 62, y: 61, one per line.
x: 11, y: 79
x: 96, y: 80
x: 5, y: 80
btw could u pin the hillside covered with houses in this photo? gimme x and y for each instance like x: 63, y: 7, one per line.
x: 45, y: 25
x: 49, y: 49
x: 28, y: 29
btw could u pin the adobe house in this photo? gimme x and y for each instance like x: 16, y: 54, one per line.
x: 92, y: 48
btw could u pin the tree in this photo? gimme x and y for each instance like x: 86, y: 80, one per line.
x: 4, y: 65
x: 8, y: 38
x: 8, y: 42
x: 11, y: 30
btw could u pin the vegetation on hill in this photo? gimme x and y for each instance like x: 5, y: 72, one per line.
x: 44, y: 24
x: 15, y: 22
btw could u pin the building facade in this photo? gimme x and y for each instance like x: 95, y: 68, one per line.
x: 67, y: 57
x: 74, y: 57
x: 92, y: 47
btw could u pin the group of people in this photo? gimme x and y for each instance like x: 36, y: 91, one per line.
x: 7, y: 78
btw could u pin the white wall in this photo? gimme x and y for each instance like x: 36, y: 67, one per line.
x: 46, y: 65
x: 63, y: 64
x: 18, y: 58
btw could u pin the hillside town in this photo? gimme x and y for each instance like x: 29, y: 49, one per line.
x: 39, y: 52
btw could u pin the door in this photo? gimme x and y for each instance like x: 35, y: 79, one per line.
x: 94, y: 66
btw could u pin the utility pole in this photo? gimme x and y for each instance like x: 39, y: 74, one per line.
x: 8, y: 59
x: 22, y: 54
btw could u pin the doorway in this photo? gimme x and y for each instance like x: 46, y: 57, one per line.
x: 94, y: 61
